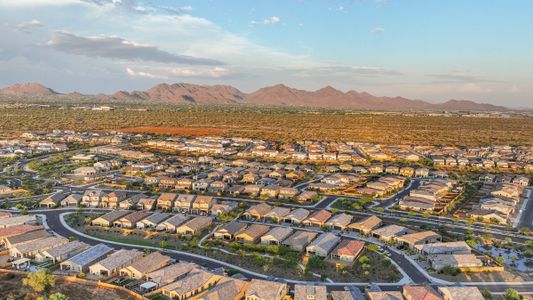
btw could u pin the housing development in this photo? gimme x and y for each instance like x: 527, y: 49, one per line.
x: 233, y: 218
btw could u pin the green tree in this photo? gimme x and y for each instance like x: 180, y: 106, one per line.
x: 524, y: 230
x: 163, y: 244
x: 39, y: 281
x: 315, y: 262
x: 364, y: 259
x: 373, y: 247
x: 58, y: 296
x: 512, y: 294
x: 486, y: 293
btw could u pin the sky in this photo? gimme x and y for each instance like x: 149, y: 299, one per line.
x: 432, y: 50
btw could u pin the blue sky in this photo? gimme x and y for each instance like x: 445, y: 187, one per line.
x: 424, y: 49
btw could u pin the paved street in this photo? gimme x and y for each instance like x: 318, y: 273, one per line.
x: 527, y: 214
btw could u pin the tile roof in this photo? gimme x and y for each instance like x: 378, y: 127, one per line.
x: 325, y: 241
x: 300, y: 238
x: 27, y: 237
x: 305, y: 292
x: 149, y: 263
x: 169, y: 274
x: 18, y: 230
x: 421, y: 292
x: 262, y: 289
x: 349, y: 248
x: 119, y: 258
x: 461, y: 293
x: 195, y: 279
x: 67, y: 248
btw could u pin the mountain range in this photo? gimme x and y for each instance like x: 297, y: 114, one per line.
x: 278, y: 95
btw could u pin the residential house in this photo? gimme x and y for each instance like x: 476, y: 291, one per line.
x: 252, y: 189
x: 296, y: 216
x: 170, y: 273
x: 92, y: 198
x: 310, y: 292
x: 307, y: 196
x: 226, y: 289
x: 194, y: 226
x: 252, y: 233
x: 366, y: 225
x: 166, y: 201
x: 392, y: 295
x: 18, y: 220
x: 299, y: 240
x: 420, y: 292
x: 30, y: 249
x: 167, y: 182
x: 131, y: 202
x: 147, y: 203
x: 202, y: 204
x: 149, y: 263
x: 184, y: 202
x: 107, y: 219
x: 347, y: 251
x: 172, y: 223
x: 339, y: 221
x: 16, y: 231
x: 114, y: 262
x: 52, y: 200
x: 276, y: 236
x: 61, y: 252
x: 222, y: 208
x: 459, y: 247
x: 322, y: 245
x: 287, y: 192
x: 270, y: 191
x: 460, y: 293
x: 390, y: 232
x: 71, y: 200
x: 81, y: 262
x: 229, y: 230
x: 266, y: 290
x: 130, y: 220
x: 151, y: 221
x: 113, y: 199
x: 184, y: 183
x: 257, y: 211
x: 194, y: 283
x: 24, y: 238
x: 419, y: 238
x: 353, y: 294
x: 277, y: 214
x: 318, y: 218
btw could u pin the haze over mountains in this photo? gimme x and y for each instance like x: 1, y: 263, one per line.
x: 280, y: 95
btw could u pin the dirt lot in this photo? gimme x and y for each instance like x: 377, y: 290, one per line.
x: 482, y: 277
x: 193, y: 131
x: 10, y: 285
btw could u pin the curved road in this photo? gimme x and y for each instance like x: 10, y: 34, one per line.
x: 54, y: 222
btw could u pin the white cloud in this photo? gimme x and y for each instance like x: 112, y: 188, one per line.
x: 186, y: 8
x: 36, y: 2
x: 377, y: 30
x: 28, y: 26
x: 270, y: 21
x: 116, y: 47
x: 178, y: 72
x: 133, y: 73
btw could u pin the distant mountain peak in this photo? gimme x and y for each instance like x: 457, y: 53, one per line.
x: 28, y: 89
x: 279, y: 94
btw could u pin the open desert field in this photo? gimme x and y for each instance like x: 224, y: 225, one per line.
x: 279, y: 124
